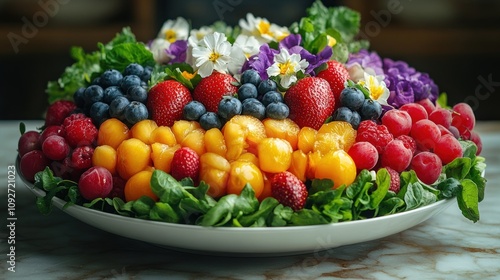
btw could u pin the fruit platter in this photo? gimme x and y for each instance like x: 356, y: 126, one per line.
x: 255, y: 138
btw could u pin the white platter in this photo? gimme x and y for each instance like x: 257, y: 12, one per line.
x: 249, y: 241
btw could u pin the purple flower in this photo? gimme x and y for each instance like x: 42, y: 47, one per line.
x: 177, y: 51
x: 260, y: 62
x: 292, y: 44
x: 366, y: 59
x: 406, y: 84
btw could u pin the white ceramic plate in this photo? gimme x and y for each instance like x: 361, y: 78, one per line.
x: 250, y: 241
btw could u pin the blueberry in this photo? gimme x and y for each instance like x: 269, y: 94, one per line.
x: 266, y: 85
x: 146, y: 75
x: 79, y: 98
x: 93, y: 94
x: 111, y: 78
x: 277, y: 111
x: 251, y: 76
x: 135, y: 112
x: 272, y: 96
x: 247, y: 91
x: 229, y: 107
x: 355, y: 120
x: 96, y: 81
x: 193, y: 111
x: 137, y: 93
x: 133, y: 69
x: 343, y: 114
x: 370, y: 110
x: 117, y: 107
x: 253, y: 107
x: 130, y: 81
x: 111, y: 93
x: 99, y: 112
x: 210, y: 120
x: 352, y: 98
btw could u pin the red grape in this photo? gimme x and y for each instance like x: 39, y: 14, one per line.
x: 396, y: 156
x: 398, y: 122
x: 364, y: 154
x: 417, y: 112
x: 427, y: 166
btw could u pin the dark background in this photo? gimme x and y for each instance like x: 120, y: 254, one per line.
x: 456, y: 41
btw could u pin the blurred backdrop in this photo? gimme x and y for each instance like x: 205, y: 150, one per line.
x: 456, y: 41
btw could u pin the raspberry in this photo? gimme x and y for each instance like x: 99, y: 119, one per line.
x: 378, y: 135
x: 80, y: 131
x: 81, y: 158
x: 395, y: 180
x: 58, y: 111
x: 118, y: 188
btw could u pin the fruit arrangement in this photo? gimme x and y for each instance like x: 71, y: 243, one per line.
x: 256, y: 125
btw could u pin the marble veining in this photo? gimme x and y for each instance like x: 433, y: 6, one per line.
x: 446, y: 246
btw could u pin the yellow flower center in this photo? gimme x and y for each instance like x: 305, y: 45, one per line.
x: 214, y: 56
x: 264, y: 27
x: 170, y: 35
x: 285, y: 68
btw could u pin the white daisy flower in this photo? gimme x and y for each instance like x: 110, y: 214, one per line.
x: 212, y: 53
x: 174, y: 30
x: 262, y: 29
x: 286, y: 67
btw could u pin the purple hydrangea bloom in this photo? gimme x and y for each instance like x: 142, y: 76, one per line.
x: 367, y: 60
x: 406, y: 84
x: 177, y: 51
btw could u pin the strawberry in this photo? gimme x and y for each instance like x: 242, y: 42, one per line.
x: 185, y: 163
x: 166, y: 101
x: 58, y: 111
x: 336, y: 75
x: 310, y: 101
x: 211, y: 89
x: 79, y: 130
x: 289, y: 190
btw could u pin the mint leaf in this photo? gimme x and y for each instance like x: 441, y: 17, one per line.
x: 449, y: 188
x: 458, y: 168
x: 124, y: 54
x: 468, y: 200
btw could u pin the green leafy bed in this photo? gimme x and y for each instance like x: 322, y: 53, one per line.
x: 367, y: 197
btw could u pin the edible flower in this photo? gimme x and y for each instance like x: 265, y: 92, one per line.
x: 213, y: 52
x: 173, y: 30
x: 377, y: 88
x: 286, y: 67
x: 262, y: 29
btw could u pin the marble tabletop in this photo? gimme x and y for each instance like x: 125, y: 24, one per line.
x: 57, y: 246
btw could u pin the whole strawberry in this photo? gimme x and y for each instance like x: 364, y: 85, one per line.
x: 185, y: 163
x: 289, y: 190
x: 80, y: 130
x: 310, y: 101
x: 58, y: 111
x: 336, y: 75
x: 211, y: 89
x: 166, y: 101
